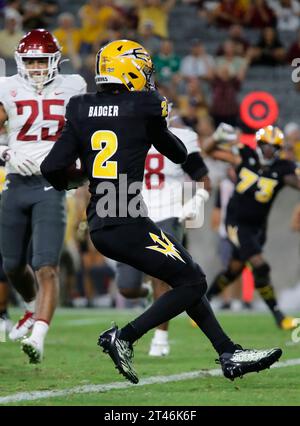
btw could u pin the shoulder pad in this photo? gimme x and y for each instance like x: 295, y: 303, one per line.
x: 75, y: 81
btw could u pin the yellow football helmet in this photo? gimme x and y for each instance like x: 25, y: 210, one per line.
x: 271, y: 135
x: 125, y: 62
x: 269, y: 144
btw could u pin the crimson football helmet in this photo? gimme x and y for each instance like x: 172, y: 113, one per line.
x: 38, y: 44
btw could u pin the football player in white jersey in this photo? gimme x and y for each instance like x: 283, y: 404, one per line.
x: 33, y: 103
x: 162, y: 192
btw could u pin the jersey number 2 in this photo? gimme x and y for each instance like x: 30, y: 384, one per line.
x: 47, y: 115
x: 106, y: 142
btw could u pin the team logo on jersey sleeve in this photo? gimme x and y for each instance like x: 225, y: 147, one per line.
x: 165, y: 246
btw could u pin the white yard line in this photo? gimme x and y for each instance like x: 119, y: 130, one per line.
x: 80, y: 322
x: 36, y: 395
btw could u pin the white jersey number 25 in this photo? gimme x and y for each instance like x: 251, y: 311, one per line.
x: 47, y: 115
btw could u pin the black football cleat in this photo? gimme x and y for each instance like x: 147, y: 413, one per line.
x: 120, y: 351
x: 244, y: 361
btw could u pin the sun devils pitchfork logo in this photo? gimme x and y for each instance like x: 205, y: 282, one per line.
x: 165, y: 246
x: 137, y: 53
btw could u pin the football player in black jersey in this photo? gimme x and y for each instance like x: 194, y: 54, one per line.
x: 261, y: 174
x: 111, y: 132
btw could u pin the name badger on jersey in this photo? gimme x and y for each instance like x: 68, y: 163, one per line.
x: 35, y: 99
x: 104, y: 111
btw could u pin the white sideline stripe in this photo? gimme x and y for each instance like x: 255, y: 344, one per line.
x: 35, y: 395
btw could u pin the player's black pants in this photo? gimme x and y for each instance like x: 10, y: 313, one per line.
x: 142, y: 245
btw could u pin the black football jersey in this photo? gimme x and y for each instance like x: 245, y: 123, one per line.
x: 256, y: 188
x: 111, y: 133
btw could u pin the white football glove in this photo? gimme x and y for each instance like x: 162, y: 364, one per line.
x: 225, y: 134
x: 191, y: 208
x: 23, y: 165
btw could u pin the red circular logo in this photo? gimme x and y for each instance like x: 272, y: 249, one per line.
x: 259, y: 109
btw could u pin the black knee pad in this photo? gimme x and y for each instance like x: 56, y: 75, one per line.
x: 197, y: 277
x: 192, y: 276
x: 197, y: 291
x: 203, y: 285
x: 199, y: 285
x: 261, y: 275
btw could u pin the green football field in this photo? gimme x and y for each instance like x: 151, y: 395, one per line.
x: 76, y: 372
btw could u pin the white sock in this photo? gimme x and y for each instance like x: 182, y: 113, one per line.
x: 161, y: 336
x: 39, y: 331
x: 30, y: 306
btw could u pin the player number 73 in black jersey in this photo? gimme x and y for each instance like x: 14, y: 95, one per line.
x: 260, y: 174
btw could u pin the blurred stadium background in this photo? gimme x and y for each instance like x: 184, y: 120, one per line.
x: 209, y: 56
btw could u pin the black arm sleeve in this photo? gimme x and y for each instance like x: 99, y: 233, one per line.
x: 166, y: 142
x: 64, y: 153
x: 195, y: 166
